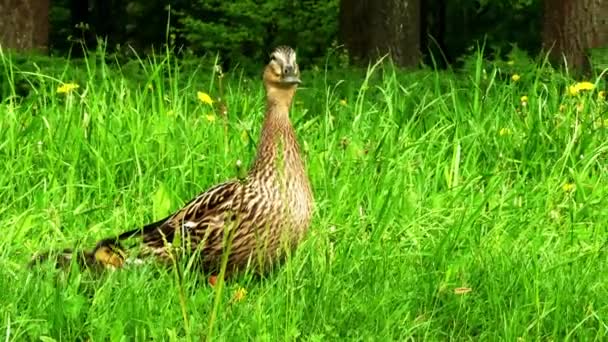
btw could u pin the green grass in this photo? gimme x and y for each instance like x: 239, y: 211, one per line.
x: 425, y: 182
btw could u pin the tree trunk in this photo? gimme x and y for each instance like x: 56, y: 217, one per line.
x: 24, y: 24
x: 572, y: 27
x: 370, y: 29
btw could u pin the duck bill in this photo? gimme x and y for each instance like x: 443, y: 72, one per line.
x: 291, y: 79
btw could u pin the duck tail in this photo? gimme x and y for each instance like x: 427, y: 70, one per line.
x: 107, y: 253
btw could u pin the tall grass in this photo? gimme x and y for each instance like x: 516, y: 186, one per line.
x: 447, y: 207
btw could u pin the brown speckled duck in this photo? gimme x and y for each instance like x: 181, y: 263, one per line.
x: 255, y: 220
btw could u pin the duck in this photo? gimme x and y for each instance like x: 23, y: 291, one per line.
x: 250, y: 222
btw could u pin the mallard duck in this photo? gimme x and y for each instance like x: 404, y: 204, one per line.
x: 256, y: 219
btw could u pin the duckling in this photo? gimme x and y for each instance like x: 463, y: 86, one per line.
x: 255, y: 220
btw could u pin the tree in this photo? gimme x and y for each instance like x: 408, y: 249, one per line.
x: 24, y: 24
x: 572, y: 27
x: 370, y: 28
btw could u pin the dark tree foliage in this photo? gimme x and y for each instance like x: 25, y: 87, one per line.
x: 248, y: 29
x: 90, y: 21
x: 432, y: 30
x: 499, y: 24
x: 139, y: 24
x: 240, y: 31
x: 244, y: 30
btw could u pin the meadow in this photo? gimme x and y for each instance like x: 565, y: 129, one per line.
x: 454, y: 204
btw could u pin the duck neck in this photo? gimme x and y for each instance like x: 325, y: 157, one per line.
x: 278, y: 145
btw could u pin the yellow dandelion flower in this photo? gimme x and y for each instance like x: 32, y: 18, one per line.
x: 343, y: 102
x: 204, y: 98
x: 601, y: 95
x: 511, y: 63
x: 504, y: 131
x: 567, y: 187
x: 585, y: 86
x: 210, y: 117
x: 523, y: 98
x: 462, y: 290
x: 580, y: 86
x: 67, y: 88
x: 515, y: 77
x: 239, y: 295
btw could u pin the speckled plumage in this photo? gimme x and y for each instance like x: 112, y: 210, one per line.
x: 263, y: 215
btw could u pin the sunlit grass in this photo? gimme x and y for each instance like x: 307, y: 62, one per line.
x: 447, y: 204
